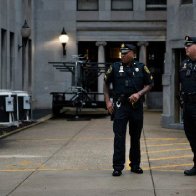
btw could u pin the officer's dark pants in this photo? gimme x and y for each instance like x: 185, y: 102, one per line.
x: 189, y: 115
x: 126, y: 113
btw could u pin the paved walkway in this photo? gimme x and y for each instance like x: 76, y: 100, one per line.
x: 74, y: 158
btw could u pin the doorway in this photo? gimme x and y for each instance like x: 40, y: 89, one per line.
x: 155, y: 53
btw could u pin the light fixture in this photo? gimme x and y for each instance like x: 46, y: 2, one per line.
x: 25, y: 33
x: 63, y: 39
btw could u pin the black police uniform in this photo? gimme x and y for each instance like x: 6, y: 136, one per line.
x: 126, y: 80
x: 188, y: 91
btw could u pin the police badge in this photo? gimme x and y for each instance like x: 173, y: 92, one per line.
x: 121, y: 69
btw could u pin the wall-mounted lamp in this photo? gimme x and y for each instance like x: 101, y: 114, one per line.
x: 63, y: 39
x: 25, y: 33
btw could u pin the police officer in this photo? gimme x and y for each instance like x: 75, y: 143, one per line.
x: 188, y: 92
x: 131, y: 80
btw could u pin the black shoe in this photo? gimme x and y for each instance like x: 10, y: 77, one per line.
x: 137, y: 170
x: 116, y: 173
x: 190, y: 172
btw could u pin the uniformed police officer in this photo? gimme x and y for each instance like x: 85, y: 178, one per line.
x: 131, y: 80
x: 188, y: 91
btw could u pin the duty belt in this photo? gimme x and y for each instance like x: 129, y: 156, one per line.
x: 189, y: 98
x: 123, y: 98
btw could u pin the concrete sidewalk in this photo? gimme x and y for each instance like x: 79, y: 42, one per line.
x: 169, y: 154
x: 74, y: 158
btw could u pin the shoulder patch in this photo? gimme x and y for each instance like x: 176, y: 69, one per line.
x: 109, y: 70
x: 146, y: 69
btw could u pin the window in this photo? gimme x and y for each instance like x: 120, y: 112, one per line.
x: 186, y: 1
x: 29, y: 82
x: 3, y: 71
x: 87, y: 5
x: 11, y: 60
x: 121, y: 5
x: 155, y: 61
x: 156, y: 4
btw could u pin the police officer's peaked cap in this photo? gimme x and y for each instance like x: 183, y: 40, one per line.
x: 127, y: 47
x: 190, y: 40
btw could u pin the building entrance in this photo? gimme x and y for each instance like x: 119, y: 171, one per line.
x: 153, y: 56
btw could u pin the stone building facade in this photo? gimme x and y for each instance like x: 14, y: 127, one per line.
x: 15, y: 61
x: 180, y: 22
x: 96, y: 29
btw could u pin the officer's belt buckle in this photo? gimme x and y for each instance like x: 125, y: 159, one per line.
x: 124, y: 99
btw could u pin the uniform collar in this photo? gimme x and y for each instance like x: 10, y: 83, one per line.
x: 132, y: 63
x: 192, y: 61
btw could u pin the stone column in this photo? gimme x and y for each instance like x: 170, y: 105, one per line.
x: 101, y: 59
x: 142, y: 51
x: 142, y: 59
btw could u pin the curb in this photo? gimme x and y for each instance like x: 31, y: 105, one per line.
x: 39, y: 121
